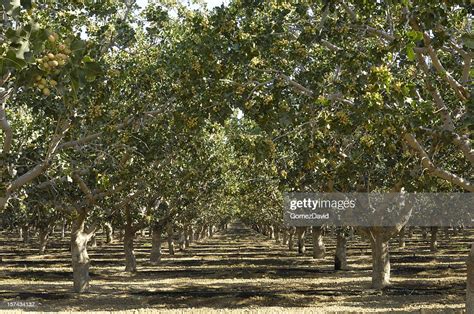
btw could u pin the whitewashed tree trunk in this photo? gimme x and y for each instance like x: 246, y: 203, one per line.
x: 401, y: 238
x: 181, y: 240
x: 109, y: 233
x: 170, y: 239
x: 271, y: 232
x: 434, y: 239
x: 155, y: 256
x: 291, y: 239
x: 80, y: 258
x: 300, y: 233
x: 211, y: 231
x: 63, y: 229
x: 319, y: 249
x: 285, y: 236
x: 130, y: 259
x: 380, y: 261
x: 93, y: 241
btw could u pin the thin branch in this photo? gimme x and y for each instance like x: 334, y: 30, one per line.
x: 296, y: 85
x: 329, y: 45
x: 371, y: 30
x: 467, y: 59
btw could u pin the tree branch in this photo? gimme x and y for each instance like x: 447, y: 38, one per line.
x: 458, y: 89
x: 329, y: 45
x: 432, y: 169
x: 83, y: 187
x: 27, y: 177
x: 448, y: 125
x: 6, y: 128
x: 467, y: 59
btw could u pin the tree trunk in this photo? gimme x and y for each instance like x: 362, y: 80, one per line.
x: 43, y: 239
x: 319, y: 249
x: 211, y: 231
x: 197, y: 233
x: 271, y: 232
x: 93, y: 241
x: 380, y: 261
x: 300, y: 233
x: 187, y: 237
x: 130, y: 260
x: 277, y: 235
x: 340, y: 258
x: 285, y: 236
x: 80, y: 258
x: 290, y: 239
x: 26, y: 234
x: 170, y: 239
x: 63, y: 229
x: 424, y: 233
x: 155, y: 255
x: 205, y: 231
x: 470, y: 282
x: 191, y: 234
x: 401, y: 238
x: 434, y: 239
x: 109, y: 233
x: 181, y: 237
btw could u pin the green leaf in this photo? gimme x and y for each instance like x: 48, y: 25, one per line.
x: 12, y: 61
x: 26, y: 4
x: 415, y: 35
x: 468, y: 40
x: 410, y: 52
x: 78, y: 45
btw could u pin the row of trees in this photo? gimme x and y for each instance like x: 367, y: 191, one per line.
x: 112, y: 115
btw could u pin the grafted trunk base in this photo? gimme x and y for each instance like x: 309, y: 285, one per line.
x: 80, y: 261
x: 380, y: 262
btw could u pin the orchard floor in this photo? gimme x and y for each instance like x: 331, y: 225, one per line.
x: 238, y: 270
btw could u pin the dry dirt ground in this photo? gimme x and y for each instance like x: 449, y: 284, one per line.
x: 237, y: 271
